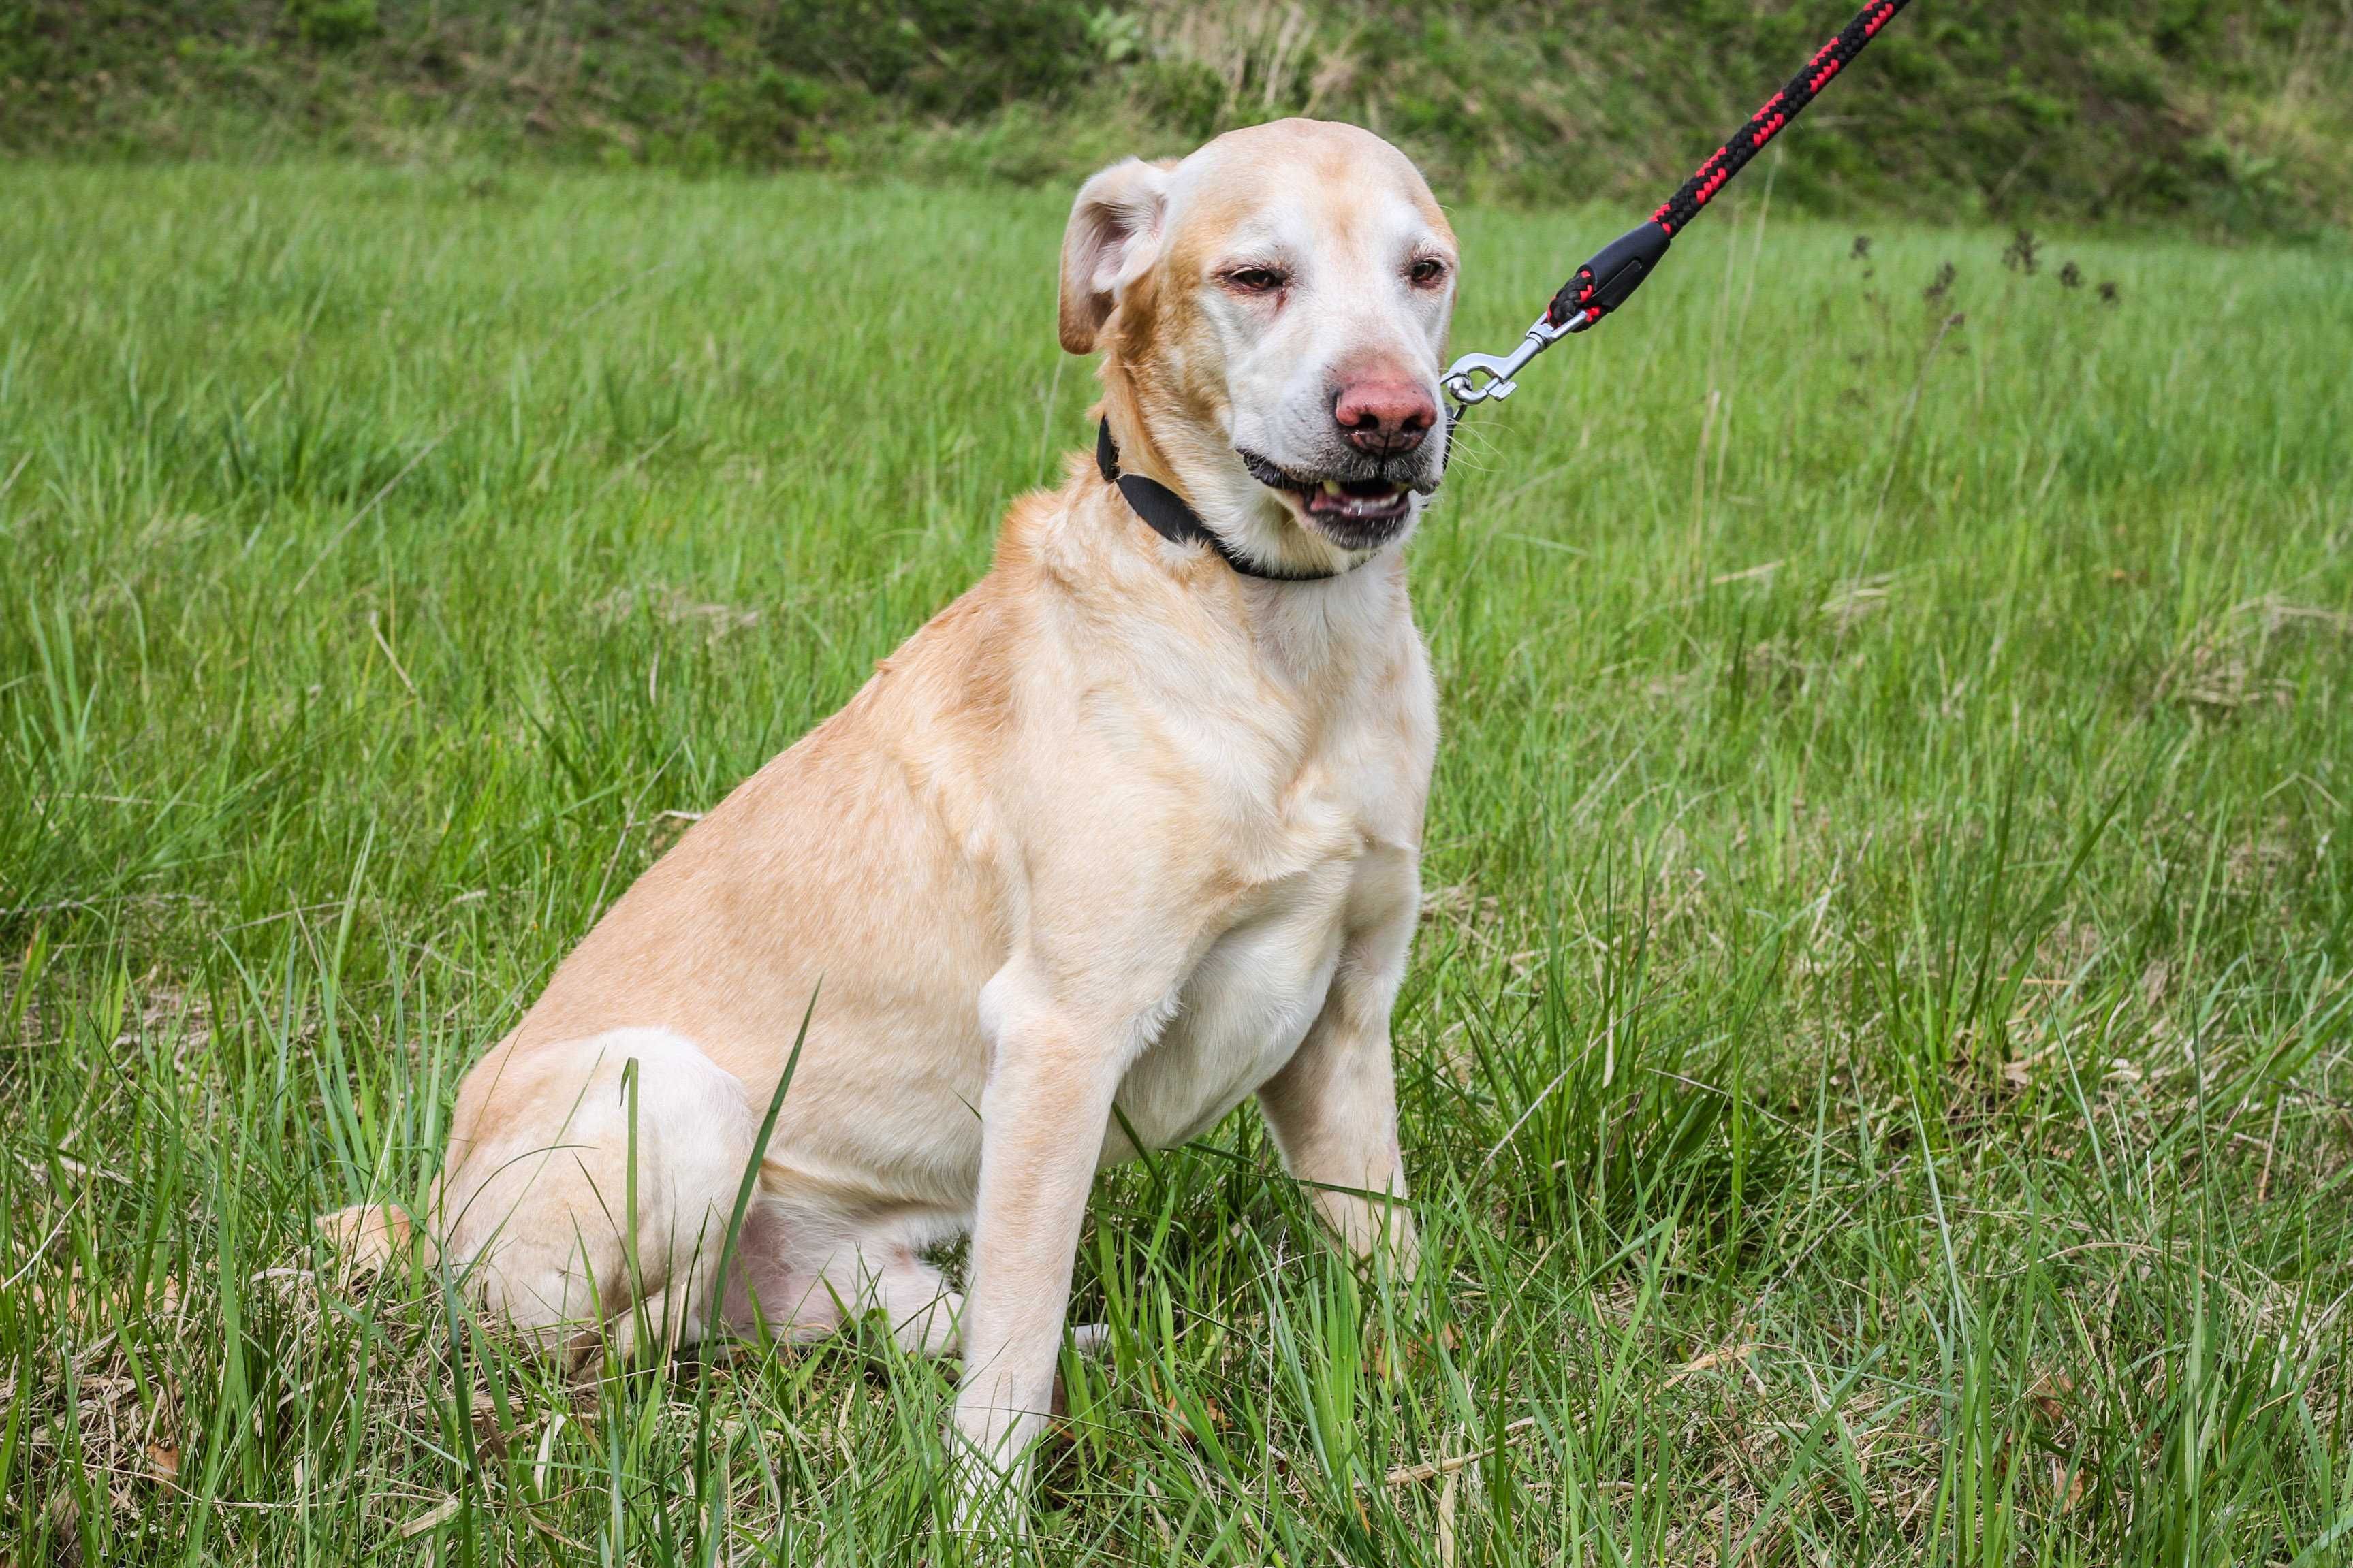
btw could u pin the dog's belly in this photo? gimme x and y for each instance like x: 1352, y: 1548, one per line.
x: 1240, y: 1015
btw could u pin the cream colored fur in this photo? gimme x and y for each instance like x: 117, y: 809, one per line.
x: 1117, y: 825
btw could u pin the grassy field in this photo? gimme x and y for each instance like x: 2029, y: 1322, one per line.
x: 2233, y: 115
x: 1877, y: 1068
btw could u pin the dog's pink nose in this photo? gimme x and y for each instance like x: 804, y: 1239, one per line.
x: 1385, y: 416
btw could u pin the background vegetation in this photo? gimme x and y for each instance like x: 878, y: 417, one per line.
x: 1875, y: 1064
x: 2234, y: 114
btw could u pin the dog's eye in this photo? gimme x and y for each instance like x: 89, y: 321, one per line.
x: 1257, y: 280
x: 1426, y: 271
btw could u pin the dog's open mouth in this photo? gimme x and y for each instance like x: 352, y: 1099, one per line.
x: 1355, y: 513
x: 1358, y: 501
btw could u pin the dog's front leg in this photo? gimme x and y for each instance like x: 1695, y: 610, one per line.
x: 1333, y: 1107
x: 1053, y: 1071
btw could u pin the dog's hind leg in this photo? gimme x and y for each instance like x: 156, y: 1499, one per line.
x: 912, y: 1296
x: 572, y: 1142
x: 812, y: 1269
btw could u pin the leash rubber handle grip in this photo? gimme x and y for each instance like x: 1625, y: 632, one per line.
x: 1602, y: 284
x: 1610, y: 279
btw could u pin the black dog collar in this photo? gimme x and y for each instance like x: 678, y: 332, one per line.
x: 1179, y: 523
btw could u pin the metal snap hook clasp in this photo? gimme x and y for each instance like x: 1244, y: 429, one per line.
x: 1462, y: 383
x: 1461, y: 378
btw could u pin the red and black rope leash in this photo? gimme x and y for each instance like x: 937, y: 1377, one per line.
x: 1610, y: 279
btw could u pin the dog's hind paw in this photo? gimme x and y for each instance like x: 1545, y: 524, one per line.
x: 370, y: 1237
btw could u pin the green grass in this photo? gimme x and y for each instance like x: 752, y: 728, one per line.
x: 2235, y: 115
x: 1875, y: 1069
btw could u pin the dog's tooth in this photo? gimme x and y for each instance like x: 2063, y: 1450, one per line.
x: 1331, y: 486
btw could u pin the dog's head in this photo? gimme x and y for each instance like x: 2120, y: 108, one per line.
x: 1272, y: 312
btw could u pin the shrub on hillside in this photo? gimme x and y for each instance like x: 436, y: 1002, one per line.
x: 2238, y: 112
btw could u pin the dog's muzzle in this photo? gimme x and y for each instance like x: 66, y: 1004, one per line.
x: 1357, y: 499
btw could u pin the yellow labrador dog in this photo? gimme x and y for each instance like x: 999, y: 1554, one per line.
x: 1132, y: 823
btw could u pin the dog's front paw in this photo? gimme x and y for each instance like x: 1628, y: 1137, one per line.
x: 990, y: 1498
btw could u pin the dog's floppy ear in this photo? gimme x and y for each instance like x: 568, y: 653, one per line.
x: 1114, y: 234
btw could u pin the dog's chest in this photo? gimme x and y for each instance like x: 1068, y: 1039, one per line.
x: 1344, y: 845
